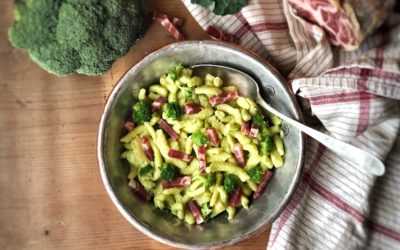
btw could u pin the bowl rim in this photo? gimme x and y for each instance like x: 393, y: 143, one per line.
x: 135, y: 68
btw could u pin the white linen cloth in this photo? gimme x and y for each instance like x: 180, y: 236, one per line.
x: 355, y: 96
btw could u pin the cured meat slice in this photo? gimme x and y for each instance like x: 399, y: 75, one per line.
x: 346, y: 22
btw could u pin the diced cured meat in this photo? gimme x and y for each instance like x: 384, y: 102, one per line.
x: 191, y: 108
x: 180, y: 155
x: 157, y: 104
x: 202, y: 158
x: 253, y: 131
x: 147, y: 149
x: 238, y: 153
x: 245, y: 128
x: 223, y: 98
x: 178, y: 182
x: 194, y: 208
x: 129, y: 125
x: 346, y: 22
x: 263, y: 183
x: 234, y: 198
x: 139, y: 190
x: 213, y: 136
x: 170, y: 131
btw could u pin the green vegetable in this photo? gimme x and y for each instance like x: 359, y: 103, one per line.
x: 145, y: 170
x: 256, y: 174
x: 173, y: 74
x: 173, y: 110
x: 188, y: 91
x: 141, y: 112
x: 222, y: 7
x: 205, y: 210
x: 209, y: 180
x: 258, y: 120
x: 169, y: 172
x: 231, y: 182
x: 68, y: 36
x: 267, y: 145
x: 199, y: 139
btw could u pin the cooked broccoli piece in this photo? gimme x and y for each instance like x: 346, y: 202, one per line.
x: 173, y: 74
x: 68, y: 36
x: 145, y: 170
x: 258, y: 119
x: 231, y: 182
x: 256, y: 174
x: 199, y: 139
x: 188, y: 91
x: 205, y: 210
x: 209, y: 180
x: 141, y: 112
x: 173, y: 111
x: 169, y: 172
x: 267, y: 145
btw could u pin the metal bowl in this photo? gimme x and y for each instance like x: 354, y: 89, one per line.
x: 159, y: 224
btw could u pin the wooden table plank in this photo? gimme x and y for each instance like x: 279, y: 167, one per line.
x: 51, y: 194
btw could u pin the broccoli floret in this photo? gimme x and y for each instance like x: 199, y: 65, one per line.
x: 173, y: 111
x: 209, y: 180
x: 231, y: 182
x: 68, y: 36
x: 173, y: 74
x: 169, y: 172
x: 145, y: 170
x: 256, y: 174
x: 199, y: 139
x: 267, y: 145
x: 205, y: 210
x: 187, y: 91
x: 258, y: 120
x: 141, y: 112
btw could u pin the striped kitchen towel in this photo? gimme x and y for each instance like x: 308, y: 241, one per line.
x: 355, y: 97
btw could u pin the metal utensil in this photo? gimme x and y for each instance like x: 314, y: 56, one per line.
x: 248, y: 87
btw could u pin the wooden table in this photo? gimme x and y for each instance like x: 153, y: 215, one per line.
x: 51, y: 194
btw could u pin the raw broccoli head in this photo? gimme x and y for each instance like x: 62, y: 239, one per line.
x: 141, y: 112
x: 67, y: 36
x: 199, y: 139
x: 169, y: 172
x: 231, y: 182
x: 173, y: 111
x: 256, y: 174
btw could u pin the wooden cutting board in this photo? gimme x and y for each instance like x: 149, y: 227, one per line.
x: 51, y: 194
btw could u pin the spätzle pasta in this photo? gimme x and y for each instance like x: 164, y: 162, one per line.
x: 197, y: 148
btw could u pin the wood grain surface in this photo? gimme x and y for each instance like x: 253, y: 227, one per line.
x: 51, y: 194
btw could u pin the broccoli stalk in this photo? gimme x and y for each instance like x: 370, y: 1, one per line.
x: 68, y: 36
